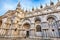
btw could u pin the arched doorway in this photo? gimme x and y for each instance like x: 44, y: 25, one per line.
x: 27, y: 27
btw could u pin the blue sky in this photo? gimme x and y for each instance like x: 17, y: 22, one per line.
x: 6, y: 5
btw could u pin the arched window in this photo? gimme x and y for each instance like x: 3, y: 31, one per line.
x: 38, y: 28
x: 37, y: 20
x: 26, y: 25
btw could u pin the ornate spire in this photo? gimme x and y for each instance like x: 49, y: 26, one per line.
x: 26, y: 10
x: 33, y: 9
x: 41, y: 6
x: 18, y: 5
x: 51, y: 3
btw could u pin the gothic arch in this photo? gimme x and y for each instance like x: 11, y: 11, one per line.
x: 38, y: 28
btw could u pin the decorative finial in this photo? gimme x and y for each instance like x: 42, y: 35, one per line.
x: 26, y: 10
x: 18, y: 5
x: 51, y: 3
x: 41, y: 6
x: 33, y: 9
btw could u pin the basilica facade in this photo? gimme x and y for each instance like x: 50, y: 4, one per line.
x: 38, y: 24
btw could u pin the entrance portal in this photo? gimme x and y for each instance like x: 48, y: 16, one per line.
x: 27, y: 33
x: 26, y: 26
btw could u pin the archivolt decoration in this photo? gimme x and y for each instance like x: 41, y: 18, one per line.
x: 52, y: 17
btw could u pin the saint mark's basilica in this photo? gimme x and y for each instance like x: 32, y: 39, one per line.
x: 39, y: 24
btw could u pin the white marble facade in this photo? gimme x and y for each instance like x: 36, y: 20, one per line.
x: 43, y: 22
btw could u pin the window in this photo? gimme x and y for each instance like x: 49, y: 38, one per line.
x: 27, y: 34
x: 51, y: 22
x: 38, y: 28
